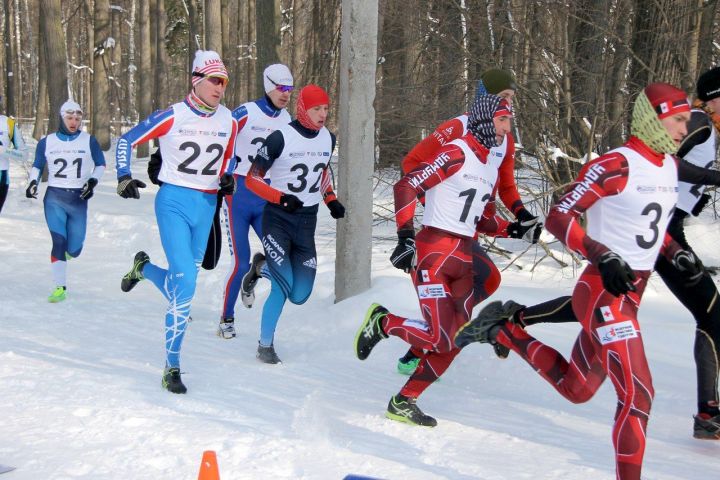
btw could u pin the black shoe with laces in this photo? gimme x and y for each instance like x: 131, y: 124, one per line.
x: 510, y: 308
x: 370, y: 332
x: 267, y: 354
x: 706, y: 427
x: 404, y: 409
x: 135, y: 274
x: 483, y: 328
x: 250, y: 279
x: 172, y: 382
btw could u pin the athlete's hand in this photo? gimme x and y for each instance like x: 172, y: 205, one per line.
x: 31, y: 190
x: 702, y: 203
x: 690, y: 265
x: 403, y: 257
x: 290, y: 202
x: 617, y: 276
x: 528, y: 230
x: 128, y: 187
x: 227, y: 184
x: 337, y: 210
x: 88, y: 188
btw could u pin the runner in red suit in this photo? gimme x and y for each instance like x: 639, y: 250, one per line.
x: 627, y: 195
x: 453, y: 273
x: 496, y: 82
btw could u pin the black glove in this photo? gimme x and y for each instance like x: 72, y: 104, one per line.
x: 336, y: 209
x: 154, y: 166
x: 690, y: 265
x: 529, y: 230
x: 403, y: 257
x: 524, y: 216
x: 227, y: 184
x: 31, y: 190
x: 128, y: 187
x: 290, y: 202
x: 617, y: 276
x: 702, y: 203
x: 87, y: 189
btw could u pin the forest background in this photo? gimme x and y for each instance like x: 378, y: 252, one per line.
x: 578, y: 64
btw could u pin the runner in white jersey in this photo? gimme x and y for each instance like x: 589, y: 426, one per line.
x: 196, y: 141
x: 297, y: 156
x: 12, y: 146
x: 75, y: 164
x: 628, y: 194
x: 244, y: 209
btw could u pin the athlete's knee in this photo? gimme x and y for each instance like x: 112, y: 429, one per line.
x: 579, y: 393
x: 300, y: 293
x: 59, y: 246
x: 183, y: 283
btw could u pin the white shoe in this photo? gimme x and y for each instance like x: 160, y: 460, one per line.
x: 226, y: 328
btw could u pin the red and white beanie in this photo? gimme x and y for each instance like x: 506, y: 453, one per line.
x: 207, y: 63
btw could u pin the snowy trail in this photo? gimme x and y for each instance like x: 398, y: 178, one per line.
x: 80, y: 394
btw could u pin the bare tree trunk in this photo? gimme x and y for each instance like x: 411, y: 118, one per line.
x: 357, y: 147
x: 160, y: 69
x: 10, y: 85
x: 213, y: 26
x: 145, y: 75
x: 56, y: 58
x: 267, y: 39
x: 41, y: 105
x: 101, y: 88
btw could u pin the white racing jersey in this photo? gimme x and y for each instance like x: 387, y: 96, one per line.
x: 256, y: 129
x: 639, y: 215
x: 69, y: 163
x: 194, y: 148
x: 299, y: 168
x: 456, y: 204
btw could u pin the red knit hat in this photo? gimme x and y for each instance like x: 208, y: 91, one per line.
x: 310, y: 96
x: 666, y: 99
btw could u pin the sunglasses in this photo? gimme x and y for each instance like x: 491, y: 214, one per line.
x: 217, y: 81
x: 281, y: 88
x: 73, y: 112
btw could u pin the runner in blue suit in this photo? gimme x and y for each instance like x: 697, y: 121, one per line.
x: 256, y: 120
x: 75, y: 165
x: 297, y: 156
x: 196, y: 141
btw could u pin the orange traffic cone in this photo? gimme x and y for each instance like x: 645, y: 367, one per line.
x: 209, y: 466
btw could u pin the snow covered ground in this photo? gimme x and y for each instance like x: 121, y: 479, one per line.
x: 80, y: 394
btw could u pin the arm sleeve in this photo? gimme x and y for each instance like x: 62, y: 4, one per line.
x: 507, y: 189
x: 269, y: 151
x: 40, y: 160
x: 687, y: 172
x: 448, y: 161
x: 326, y: 180
x: 430, y: 145
x: 490, y: 222
x: 229, y: 157
x: 156, y: 125
x: 240, y: 114
x: 600, y: 178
